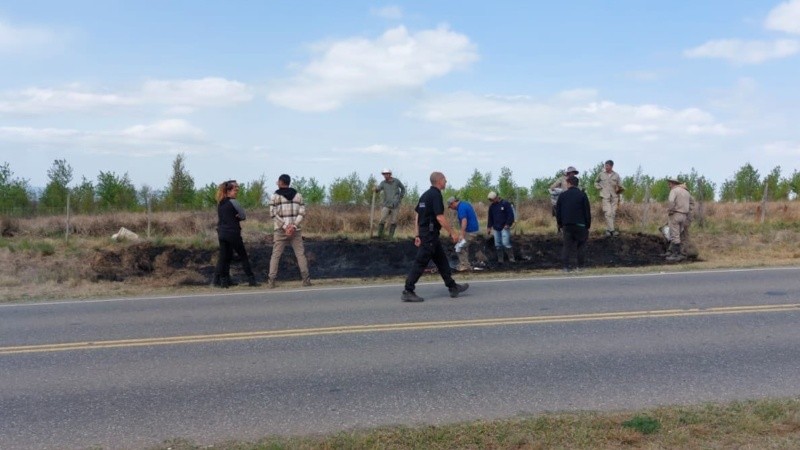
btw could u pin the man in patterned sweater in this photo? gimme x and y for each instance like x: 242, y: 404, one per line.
x: 286, y: 207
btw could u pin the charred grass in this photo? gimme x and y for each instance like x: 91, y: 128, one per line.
x: 37, y: 261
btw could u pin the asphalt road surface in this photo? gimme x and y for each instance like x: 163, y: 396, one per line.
x: 242, y: 364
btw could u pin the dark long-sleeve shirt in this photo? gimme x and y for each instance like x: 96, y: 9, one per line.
x: 572, y: 208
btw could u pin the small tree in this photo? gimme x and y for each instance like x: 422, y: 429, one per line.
x: 777, y: 188
x: 253, y: 195
x: 587, y: 181
x: 180, y: 192
x: 83, y: 197
x: 744, y: 187
x: 14, y: 192
x: 347, y: 191
x: 477, y: 187
x: 313, y: 193
x: 56, y: 191
x: 115, y: 192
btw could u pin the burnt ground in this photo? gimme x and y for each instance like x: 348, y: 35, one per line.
x: 344, y: 258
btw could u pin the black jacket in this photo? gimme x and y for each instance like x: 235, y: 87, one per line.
x: 228, y: 224
x: 572, y: 208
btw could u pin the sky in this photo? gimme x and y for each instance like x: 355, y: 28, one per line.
x: 322, y: 89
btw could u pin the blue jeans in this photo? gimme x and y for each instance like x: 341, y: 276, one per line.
x: 502, y: 238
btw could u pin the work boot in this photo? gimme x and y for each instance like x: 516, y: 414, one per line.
x: 500, y: 256
x: 380, y: 231
x: 410, y: 296
x: 251, y: 281
x: 457, y: 289
x: 224, y: 281
x: 392, y: 228
x: 271, y: 283
x: 670, y: 250
x: 510, y: 253
x: 215, y: 280
x: 306, y: 280
x: 677, y: 255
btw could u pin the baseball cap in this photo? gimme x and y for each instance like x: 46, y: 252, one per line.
x: 386, y: 171
x: 492, y: 195
x: 451, y: 200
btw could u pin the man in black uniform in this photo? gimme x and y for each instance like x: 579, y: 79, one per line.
x: 430, y: 219
x: 574, y: 217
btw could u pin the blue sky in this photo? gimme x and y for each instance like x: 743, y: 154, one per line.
x: 322, y: 89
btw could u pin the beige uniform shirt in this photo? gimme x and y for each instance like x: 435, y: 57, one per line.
x: 560, y: 183
x: 680, y: 200
x: 608, y: 184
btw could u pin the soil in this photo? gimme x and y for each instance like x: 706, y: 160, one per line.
x: 345, y: 258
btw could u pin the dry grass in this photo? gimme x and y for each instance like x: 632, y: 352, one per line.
x: 38, y: 263
x: 762, y: 424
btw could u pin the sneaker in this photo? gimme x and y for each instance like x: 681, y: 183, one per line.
x: 458, y: 289
x: 410, y: 296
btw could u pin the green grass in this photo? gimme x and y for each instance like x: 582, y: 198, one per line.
x: 773, y: 423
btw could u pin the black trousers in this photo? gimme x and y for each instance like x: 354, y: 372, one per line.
x: 228, y: 245
x: 430, y: 249
x: 575, y: 239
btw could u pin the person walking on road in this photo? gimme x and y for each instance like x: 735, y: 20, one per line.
x: 287, y: 209
x: 393, y: 193
x: 230, y: 214
x: 430, y: 219
x: 609, y: 184
x: 468, y: 230
x: 574, y: 217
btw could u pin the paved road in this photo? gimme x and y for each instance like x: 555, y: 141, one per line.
x: 244, y: 364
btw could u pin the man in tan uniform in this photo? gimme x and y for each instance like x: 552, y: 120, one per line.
x: 609, y: 185
x: 680, y: 206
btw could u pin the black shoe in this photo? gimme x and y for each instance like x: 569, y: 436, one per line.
x: 410, y: 296
x: 457, y: 289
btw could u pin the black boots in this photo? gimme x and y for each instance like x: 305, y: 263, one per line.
x: 458, y: 289
x: 392, y: 228
x: 410, y: 296
x: 380, y: 230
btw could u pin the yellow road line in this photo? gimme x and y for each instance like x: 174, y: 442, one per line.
x: 352, y: 329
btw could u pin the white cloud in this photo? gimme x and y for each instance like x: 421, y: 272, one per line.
x: 783, y: 149
x: 358, y: 67
x: 41, y: 100
x: 593, y: 122
x: 209, y: 91
x: 392, y: 12
x: 785, y: 17
x: 164, y: 137
x: 180, y: 96
x: 19, y: 39
x: 745, y: 52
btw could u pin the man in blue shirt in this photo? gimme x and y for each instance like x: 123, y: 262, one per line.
x: 468, y: 230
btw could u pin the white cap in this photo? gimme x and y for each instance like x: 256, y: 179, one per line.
x: 387, y: 170
x: 492, y: 195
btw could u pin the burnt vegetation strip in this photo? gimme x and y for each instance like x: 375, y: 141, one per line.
x: 349, y: 258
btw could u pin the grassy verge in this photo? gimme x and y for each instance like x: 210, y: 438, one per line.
x: 762, y: 424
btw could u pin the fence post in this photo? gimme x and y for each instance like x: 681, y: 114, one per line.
x: 148, y: 216
x: 764, y: 203
x: 701, y: 211
x: 66, y: 232
x: 646, y: 207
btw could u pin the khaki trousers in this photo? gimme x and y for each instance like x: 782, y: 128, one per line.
x: 678, y: 228
x: 610, y: 205
x: 463, y: 255
x: 281, y: 239
x: 389, y: 213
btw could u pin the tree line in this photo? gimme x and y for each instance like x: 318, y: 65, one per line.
x: 114, y: 192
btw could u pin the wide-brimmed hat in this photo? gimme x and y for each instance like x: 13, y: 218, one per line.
x: 571, y: 169
x: 673, y: 180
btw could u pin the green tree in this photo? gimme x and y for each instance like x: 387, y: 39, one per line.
x: 15, y: 194
x: 587, y: 181
x: 313, y: 193
x: 55, y: 193
x: 412, y: 195
x: 744, y: 187
x: 477, y: 187
x: 794, y: 184
x: 636, y: 186
x: 369, y: 189
x: 777, y: 188
x: 346, y: 191
x: 181, y: 192
x: 254, y: 194
x: 83, y: 197
x: 207, y: 195
x: 115, y: 193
